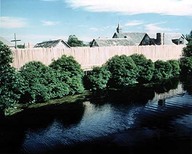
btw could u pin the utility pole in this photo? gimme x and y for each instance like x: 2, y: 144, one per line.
x: 15, y: 40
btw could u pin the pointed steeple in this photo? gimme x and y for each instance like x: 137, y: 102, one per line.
x: 119, y: 30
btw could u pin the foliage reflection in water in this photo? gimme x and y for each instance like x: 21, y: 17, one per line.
x: 126, y: 117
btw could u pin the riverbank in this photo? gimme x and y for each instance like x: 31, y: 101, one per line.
x: 90, y: 126
x: 145, y: 92
x: 67, y: 99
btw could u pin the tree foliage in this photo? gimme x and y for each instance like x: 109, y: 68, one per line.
x: 145, y: 68
x: 186, y: 60
x: 98, y: 78
x: 42, y: 83
x: 189, y: 36
x: 187, y: 51
x: 68, y: 65
x: 186, y: 65
x: 10, y: 81
x: 123, y: 70
x: 175, y: 68
x: 163, y: 70
x: 73, y: 41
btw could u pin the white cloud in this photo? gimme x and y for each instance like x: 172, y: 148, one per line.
x: 49, y: 23
x: 167, y: 7
x: 134, y: 23
x: 12, y: 22
x: 155, y: 27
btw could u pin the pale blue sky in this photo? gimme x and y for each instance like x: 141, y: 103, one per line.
x: 40, y: 20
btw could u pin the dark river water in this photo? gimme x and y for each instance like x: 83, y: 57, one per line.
x: 138, y: 120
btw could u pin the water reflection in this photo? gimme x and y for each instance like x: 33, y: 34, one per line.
x: 125, y: 117
x: 187, y: 83
x: 97, y: 121
x: 161, y: 102
x: 134, y: 95
x: 166, y: 85
x: 17, y: 129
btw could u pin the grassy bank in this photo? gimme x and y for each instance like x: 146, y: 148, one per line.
x: 65, y: 100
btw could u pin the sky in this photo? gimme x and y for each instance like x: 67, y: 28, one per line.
x: 35, y: 21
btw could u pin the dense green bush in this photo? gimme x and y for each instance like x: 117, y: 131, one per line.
x: 11, y: 88
x: 187, y: 51
x: 123, y: 70
x: 75, y: 84
x: 175, y: 68
x: 5, y: 57
x: 163, y: 71
x: 145, y: 68
x: 42, y: 83
x: 186, y: 65
x: 68, y: 65
x: 98, y: 78
x: 11, y: 84
x: 186, y: 60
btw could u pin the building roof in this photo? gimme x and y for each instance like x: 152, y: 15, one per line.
x: 50, y: 44
x: 169, y: 38
x: 6, y: 42
x: 112, y: 42
x: 135, y: 37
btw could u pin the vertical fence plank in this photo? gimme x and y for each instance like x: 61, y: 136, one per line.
x: 90, y: 57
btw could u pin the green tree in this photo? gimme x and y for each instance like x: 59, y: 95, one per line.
x: 98, y: 78
x: 186, y: 65
x: 11, y: 84
x: 73, y: 41
x: 21, y: 46
x: 145, y: 68
x: 187, y: 51
x: 163, y: 70
x: 42, y: 83
x: 186, y: 60
x: 175, y: 68
x: 189, y: 36
x: 123, y: 70
x: 68, y: 65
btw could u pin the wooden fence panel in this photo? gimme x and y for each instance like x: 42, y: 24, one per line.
x: 90, y: 57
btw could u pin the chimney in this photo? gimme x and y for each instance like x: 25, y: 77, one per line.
x: 160, y: 38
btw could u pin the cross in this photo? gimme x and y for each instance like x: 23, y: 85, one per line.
x: 15, y: 40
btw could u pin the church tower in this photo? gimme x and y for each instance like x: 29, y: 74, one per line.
x: 119, y: 30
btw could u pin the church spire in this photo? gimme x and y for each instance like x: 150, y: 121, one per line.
x: 119, y: 30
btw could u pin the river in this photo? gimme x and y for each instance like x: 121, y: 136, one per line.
x: 157, y: 120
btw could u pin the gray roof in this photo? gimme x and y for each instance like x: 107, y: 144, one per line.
x: 6, y: 42
x: 50, y: 44
x: 168, y: 38
x: 112, y: 42
x: 135, y: 37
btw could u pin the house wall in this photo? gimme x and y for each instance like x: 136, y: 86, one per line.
x: 89, y: 57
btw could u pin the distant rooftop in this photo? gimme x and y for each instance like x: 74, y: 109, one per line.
x: 51, y: 44
x: 112, y: 42
x: 6, y: 42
